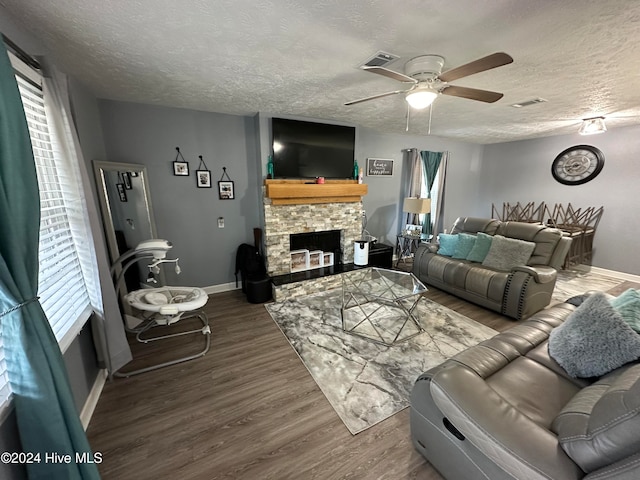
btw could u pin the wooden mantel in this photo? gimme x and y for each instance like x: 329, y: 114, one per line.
x: 296, y: 192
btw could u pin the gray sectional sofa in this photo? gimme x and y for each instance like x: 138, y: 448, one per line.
x: 505, y: 409
x: 517, y: 292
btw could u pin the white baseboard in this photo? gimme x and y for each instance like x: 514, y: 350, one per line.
x: 92, y: 399
x: 610, y: 273
x: 223, y: 287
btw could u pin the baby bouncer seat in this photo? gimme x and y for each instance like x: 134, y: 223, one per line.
x: 162, y: 306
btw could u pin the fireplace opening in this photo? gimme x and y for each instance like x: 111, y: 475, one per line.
x: 315, y: 249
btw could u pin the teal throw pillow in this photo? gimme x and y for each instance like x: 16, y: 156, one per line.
x: 448, y: 244
x: 627, y: 305
x: 464, y: 245
x: 480, y: 248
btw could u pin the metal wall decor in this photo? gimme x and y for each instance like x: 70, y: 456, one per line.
x: 180, y: 165
x: 225, y: 187
x: 203, y: 175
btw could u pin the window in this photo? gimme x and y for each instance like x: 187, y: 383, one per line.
x: 62, y: 288
x: 433, y: 194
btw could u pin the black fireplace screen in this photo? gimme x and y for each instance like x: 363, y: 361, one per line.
x: 327, y: 241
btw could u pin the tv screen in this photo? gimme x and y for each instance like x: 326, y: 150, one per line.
x: 309, y: 150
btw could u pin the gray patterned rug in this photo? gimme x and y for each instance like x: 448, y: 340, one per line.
x: 364, y: 381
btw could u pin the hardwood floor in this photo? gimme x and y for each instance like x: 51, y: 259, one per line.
x: 248, y: 409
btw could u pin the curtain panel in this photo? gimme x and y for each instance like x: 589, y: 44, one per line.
x: 415, y: 182
x: 108, y: 327
x: 431, y: 163
x: 47, y: 417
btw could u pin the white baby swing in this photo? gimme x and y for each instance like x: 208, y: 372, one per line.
x: 162, y: 306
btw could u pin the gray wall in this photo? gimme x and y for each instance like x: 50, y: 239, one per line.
x: 383, y: 203
x: 184, y: 214
x: 521, y: 171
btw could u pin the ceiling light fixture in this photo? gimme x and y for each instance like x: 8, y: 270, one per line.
x: 421, y: 97
x: 591, y: 126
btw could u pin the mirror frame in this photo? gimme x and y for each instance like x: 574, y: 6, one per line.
x: 100, y: 168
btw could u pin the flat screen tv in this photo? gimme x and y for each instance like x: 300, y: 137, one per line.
x: 310, y: 150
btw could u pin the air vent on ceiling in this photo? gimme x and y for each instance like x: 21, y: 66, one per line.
x: 528, y: 102
x: 380, y: 59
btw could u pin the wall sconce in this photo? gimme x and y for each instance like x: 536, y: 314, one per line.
x: 591, y: 126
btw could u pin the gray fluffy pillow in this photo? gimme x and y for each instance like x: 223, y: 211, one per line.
x: 506, y: 253
x: 593, y: 340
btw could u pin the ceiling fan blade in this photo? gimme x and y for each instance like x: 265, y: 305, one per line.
x: 366, y: 99
x: 472, y: 93
x: 486, y: 63
x: 390, y: 73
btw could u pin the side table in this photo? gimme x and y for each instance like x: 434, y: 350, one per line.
x: 406, y: 245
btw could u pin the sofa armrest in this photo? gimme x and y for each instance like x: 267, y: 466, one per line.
x: 431, y: 247
x: 560, y: 253
x: 509, y: 438
x: 540, y: 273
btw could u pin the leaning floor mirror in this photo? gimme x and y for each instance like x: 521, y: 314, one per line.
x: 127, y: 214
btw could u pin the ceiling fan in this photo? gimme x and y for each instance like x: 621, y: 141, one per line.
x: 428, y: 81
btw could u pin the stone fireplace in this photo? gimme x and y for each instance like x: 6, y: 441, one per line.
x: 281, y: 221
x: 294, y: 207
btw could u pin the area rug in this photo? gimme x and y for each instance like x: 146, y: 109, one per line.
x: 367, y: 382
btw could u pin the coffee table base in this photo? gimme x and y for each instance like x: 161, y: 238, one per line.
x: 384, y: 323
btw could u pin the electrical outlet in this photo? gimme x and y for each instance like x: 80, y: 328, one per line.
x: 220, y: 222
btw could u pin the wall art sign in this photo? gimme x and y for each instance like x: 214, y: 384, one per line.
x: 379, y: 167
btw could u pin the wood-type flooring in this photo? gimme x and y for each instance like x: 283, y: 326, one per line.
x: 248, y: 409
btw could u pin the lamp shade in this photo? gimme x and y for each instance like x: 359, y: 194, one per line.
x: 417, y: 205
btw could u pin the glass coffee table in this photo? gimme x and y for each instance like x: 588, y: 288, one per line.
x: 378, y: 304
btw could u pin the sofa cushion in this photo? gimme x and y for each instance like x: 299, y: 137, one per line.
x: 594, y: 340
x: 545, y: 239
x: 601, y: 423
x: 464, y: 245
x: 448, y: 244
x: 485, y: 282
x: 480, y: 248
x: 627, y: 305
x: 506, y: 253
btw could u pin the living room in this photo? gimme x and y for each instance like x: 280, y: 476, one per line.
x: 479, y: 174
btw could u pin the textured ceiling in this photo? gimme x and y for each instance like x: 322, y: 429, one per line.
x: 301, y: 58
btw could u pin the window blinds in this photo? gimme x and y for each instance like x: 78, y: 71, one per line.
x: 62, y: 288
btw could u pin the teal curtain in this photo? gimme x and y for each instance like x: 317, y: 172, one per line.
x: 430, y: 163
x: 48, y: 421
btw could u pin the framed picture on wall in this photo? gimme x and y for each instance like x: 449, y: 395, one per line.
x: 379, y: 167
x: 181, y: 168
x: 126, y: 180
x: 203, y: 178
x: 225, y: 190
x: 122, y: 193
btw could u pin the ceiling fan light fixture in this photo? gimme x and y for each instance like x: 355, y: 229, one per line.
x: 421, y: 98
x: 592, y: 126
